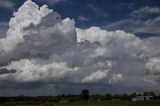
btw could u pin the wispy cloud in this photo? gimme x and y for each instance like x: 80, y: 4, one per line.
x: 3, y: 28
x: 136, y: 26
x: 143, y: 20
x: 53, y: 2
x: 83, y: 18
x: 125, y: 5
x: 145, y: 11
x: 98, y: 11
x: 3, y: 24
x: 6, y: 4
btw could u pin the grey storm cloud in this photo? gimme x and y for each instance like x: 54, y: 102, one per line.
x: 6, y: 71
x: 41, y: 47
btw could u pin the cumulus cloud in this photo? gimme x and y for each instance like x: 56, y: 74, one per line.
x: 30, y: 70
x: 32, y: 42
x: 153, y: 66
x: 96, y: 76
x: 122, y: 42
x: 41, y: 47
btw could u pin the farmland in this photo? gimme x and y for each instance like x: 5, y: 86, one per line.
x: 84, y: 103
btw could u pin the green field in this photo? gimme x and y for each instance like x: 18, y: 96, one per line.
x: 88, y: 103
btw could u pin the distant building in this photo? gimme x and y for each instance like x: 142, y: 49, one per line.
x: 142, y: 98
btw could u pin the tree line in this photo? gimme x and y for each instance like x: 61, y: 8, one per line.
x: 83, y: 96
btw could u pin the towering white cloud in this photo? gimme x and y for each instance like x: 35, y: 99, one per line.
x: 41, y: 47
x: 153, y: 66
x: 114, y: 43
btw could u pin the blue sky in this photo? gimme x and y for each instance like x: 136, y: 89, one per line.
x: 141, y: 17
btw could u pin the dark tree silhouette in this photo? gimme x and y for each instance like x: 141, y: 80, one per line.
x: 146, y: 93
x: 133, y: 95
x: 152, y: 94
x: 149, y: 93
x: 85, y: 94
x: 108, y: 96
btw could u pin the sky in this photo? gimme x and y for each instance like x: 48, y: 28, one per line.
x: 138, y: 16
x: 50, y: 47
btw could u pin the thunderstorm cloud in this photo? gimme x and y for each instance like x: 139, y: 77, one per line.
x: 41, y: 47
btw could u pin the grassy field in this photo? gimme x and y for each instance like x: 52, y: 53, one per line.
x: 89, y: 103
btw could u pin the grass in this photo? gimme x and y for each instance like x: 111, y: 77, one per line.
x: 88, y: 103
x: 110, y: 103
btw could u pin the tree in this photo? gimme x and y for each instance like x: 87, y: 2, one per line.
x: 108, y: 96
x: 85, y: 94
x: 133, y: 95
x: 146, y: 93
x: 152, y: 94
